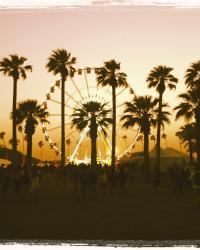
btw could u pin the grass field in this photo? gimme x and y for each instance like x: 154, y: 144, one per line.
x: 145, y: 213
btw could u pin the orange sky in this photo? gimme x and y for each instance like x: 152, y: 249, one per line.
x: 138, y: 37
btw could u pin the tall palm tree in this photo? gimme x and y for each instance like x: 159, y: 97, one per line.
x: 140, y: 138
x: 61, y: 62
x: 32, y: 113
x: 41, y: 144
x: 92, y: 115
x: 14, y: 67
x: 20, y: 129
x: 124, y: 138
x: 164, y: 136
x: 141, y: 111
x: 192, y: 82
x: 189, y: 109
x: 11, y: 142
x: 109, y: 75
x: 153, y: 138
x: 2, y: 137
x: 69, y: 142
x: 160, y: 78
x: 192, y: 76
x: 186, y: 134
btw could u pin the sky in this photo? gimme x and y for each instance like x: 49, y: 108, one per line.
x: 138, y: 37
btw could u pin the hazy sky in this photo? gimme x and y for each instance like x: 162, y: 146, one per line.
x: 138, y: 37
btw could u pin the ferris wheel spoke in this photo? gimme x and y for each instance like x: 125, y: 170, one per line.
x: 106, y: 92
x: 72, y: 80
x: 58, y: 127
x: 70, y: 97
x: 133, y: 129
x: 58, y: 115
x: 79, y: 142
x: 71, y: 134
x: 66, y: 105
x: 120, y: 105
x: 55, y: 101
x: 119, y: 126
x: 132, y: 144
x: 75, y: 138
x: 58, y: 102
x: 106, y: 139
x: 86, y: 81
x: 118, y: 94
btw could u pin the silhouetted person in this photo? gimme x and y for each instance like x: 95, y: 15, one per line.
x: 35, y: 186
x: 156, y: 175
x: 122, y: 180
x: 178, y: 178
x: 112, y: 180
x: 5, y: 184
x: 92, y: 183
x: 84, y: 181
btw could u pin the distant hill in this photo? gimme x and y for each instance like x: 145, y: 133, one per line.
x: 164, y: 153
x: 167, y: 152
x: 7, y: 154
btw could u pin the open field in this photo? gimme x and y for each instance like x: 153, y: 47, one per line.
x: 145, y: 213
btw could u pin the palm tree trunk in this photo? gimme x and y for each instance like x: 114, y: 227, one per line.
x: 63, y: 123
x: 146, y: 155
x: 14, y: 125
x: 113, y: 126
x: 41, y: 154
x: 29, y: 150
x: 93, y: 137
x: 23, y: 158
x: 190, y: 151
x: 157, y: 170
x: 93, y: 152
x: 197, y: 117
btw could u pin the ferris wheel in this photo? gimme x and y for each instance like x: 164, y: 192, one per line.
x: 83, y: 88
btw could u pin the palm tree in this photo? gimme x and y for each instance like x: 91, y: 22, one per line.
x: 140, y: 138
x: 69, y: 142
x: 109, y: 75
x: 153, y: 138
x: 124, y: 138
x: 11, y: 142
x: 61, y: 62
x: 189, y: 109
x: 41, y: 144
x: 160, y: 78
x: 32, y: 113
x: 2, y: 137
x: 14, y: 67
x: 141, y: 111
x: 92, y: 115
x: 192, y: 82
x: 20, y: 129
x: 192, y: 76
x: 164, y: 136
x: 186, y: 135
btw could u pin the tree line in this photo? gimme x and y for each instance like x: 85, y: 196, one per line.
x: 145, y: 111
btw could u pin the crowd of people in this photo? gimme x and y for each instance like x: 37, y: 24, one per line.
x: 87, y: 181
x: 182, y: 176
